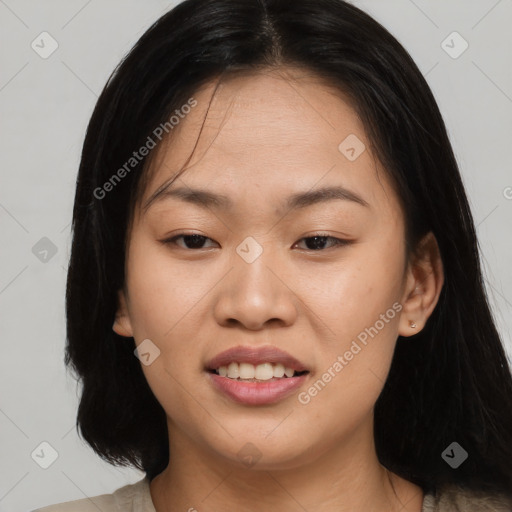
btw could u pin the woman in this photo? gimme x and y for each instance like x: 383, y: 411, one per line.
x: 274, y: 295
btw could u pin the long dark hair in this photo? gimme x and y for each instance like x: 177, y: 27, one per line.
x: 449, y: 383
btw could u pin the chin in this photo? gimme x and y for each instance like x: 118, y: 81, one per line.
x: 267, y: 453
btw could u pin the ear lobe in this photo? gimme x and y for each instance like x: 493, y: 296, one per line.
x: 425, y: 281
x: 122, y: 324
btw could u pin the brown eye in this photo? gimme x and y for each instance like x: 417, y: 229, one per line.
x: 318, y: 242
x: 191, y: 241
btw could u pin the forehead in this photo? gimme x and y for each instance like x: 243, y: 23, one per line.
x: 268, y: 134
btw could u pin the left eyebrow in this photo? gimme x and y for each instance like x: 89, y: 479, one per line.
x: 324, y: 194
x: 299, y: 200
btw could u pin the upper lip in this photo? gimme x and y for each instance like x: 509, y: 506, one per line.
x: 255, y: 356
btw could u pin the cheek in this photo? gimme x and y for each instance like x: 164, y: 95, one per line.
x: 163, y: 292
x: 162, y: 300
x: 357, y: 350
x: 357, y: 304
x: 352, y: 293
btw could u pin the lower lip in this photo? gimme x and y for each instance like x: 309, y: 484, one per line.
x: 257, y: 393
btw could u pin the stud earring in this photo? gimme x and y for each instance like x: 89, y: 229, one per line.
x: 412, y: 325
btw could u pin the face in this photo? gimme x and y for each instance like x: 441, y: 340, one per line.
x: 301, y: 263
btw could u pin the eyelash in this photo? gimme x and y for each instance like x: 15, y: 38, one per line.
x: 337, y: 241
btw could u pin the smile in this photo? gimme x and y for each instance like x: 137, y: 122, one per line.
x: 251, y: 372
x: 256, y: 375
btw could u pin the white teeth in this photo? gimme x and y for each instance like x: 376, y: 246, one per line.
x: 264, y: 371
x: 247, y: 371
x: 233, y: 371
x: 278, y: 370
x: 288, y: 372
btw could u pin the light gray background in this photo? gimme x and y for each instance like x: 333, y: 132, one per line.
x: 45, y: 105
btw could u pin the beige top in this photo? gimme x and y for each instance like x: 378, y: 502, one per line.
x: 137, y: 498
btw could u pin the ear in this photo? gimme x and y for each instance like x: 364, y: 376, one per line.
x: 424, y: 281
x: 122, y: 324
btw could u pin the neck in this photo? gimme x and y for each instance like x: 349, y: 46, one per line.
x: 347, y: 478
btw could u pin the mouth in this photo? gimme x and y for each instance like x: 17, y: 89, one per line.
x: 253, y: 376
x: 263, y: 372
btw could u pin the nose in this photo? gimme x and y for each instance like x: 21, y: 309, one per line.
x: 255, y: 295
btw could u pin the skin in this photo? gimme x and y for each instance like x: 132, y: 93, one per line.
x: 265, y: 137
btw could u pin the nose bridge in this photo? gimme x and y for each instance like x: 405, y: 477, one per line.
x: 255, y: 276
x: 253, y: 293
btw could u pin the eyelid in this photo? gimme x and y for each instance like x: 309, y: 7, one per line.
x: 339, y: 242
x: 171, y: 240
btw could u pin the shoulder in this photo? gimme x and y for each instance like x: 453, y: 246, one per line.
x: 134, y: 497
x: 458, y: 499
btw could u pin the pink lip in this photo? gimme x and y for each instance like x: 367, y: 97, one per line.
x: 255, y: 356
x: 257, y: 393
